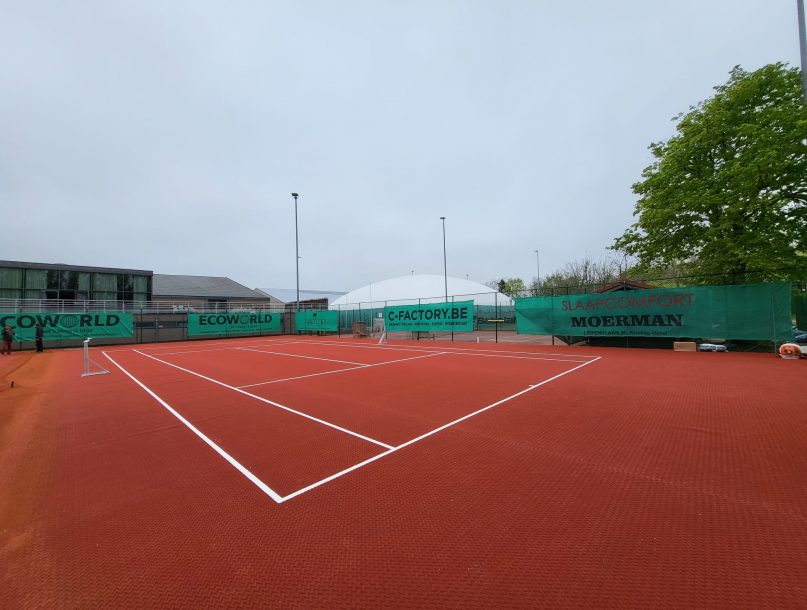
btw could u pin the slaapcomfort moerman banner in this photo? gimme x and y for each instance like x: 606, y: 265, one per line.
x: 750, y: 311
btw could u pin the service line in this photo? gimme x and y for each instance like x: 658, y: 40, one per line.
x: 270, y: 402
x: 263, y: 351
x: 451, y: 350
x: 352, y: 368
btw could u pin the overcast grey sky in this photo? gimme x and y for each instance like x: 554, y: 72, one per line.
x: 168, y: 135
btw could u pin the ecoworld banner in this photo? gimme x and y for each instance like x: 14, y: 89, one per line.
x: 750, y: 311
x: 456, y: 317
x: 317, y: 320
x: 213, y: 324
x: 70, y: 325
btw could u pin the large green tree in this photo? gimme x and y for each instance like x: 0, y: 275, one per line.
x: 727, y: 194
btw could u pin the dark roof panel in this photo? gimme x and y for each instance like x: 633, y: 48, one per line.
x: 199, y: 286
x: 64, y: 267
x: 289, y: 295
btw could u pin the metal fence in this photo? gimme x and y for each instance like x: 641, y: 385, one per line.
x: 153, y: 321
x: 151, y: 307
x: 494, y: 317
x: 160, y: 321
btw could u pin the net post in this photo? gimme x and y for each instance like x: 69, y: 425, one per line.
x: 86, y: 357
x: 88, y: 362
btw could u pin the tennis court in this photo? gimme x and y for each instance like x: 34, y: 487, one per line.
x: 322, y: 472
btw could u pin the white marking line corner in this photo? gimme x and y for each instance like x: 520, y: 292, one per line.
x: 435, y: 431
x: 233, y: 462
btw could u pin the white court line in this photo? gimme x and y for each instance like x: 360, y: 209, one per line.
x: 274, y: 495
x: 419, y: 348
x: 427, y: 434
x: 196, y: 351
x: 271, y: 340
x: 237, y: 465
x: 354, y: 368
x: 271, y: 402
x: 364, y: 346
x: 263, y: 351
x: 201, y: 342
x: 459, y: 350
x: 514, y: 357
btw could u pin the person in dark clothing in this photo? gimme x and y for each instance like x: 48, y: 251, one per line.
x: 40, y: 333
x: 8, y: 340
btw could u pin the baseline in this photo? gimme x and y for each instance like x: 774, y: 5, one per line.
x: 431, y: 432
x: 470, y: 351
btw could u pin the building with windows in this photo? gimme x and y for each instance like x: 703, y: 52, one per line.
x: 59, y: 282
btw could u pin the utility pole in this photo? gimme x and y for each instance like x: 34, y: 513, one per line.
x: 802, y: 47
x: 296, y: 251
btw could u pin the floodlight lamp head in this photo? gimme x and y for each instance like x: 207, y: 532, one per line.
x: 295, y: 195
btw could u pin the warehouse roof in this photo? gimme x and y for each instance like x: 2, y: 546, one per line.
x: 289, y: 295
x: 200, y: 286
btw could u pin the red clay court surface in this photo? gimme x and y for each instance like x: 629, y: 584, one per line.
x: 307, y: 472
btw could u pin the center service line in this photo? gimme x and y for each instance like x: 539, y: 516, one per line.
x: 353, y: 368
x: 263, y: 351
x: 271, y: 402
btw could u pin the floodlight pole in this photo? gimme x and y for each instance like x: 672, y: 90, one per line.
x: 802, y: 47
x: 445, y: 267
x: 538, y: 267
x: 296, y: 251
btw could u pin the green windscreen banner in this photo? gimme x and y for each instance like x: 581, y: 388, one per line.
x: 750, y: 311
x: 800, y: 311
x: 456, y: 317
x: 84, y: 325
x: 317, y: 320
x: 214, y: 324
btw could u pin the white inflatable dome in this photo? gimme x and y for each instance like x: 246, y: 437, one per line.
x: 411, y: 289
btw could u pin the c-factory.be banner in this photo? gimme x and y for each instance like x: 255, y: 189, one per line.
x: 210, y: 324
x: 456, y: 317
x: 55, y: 326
